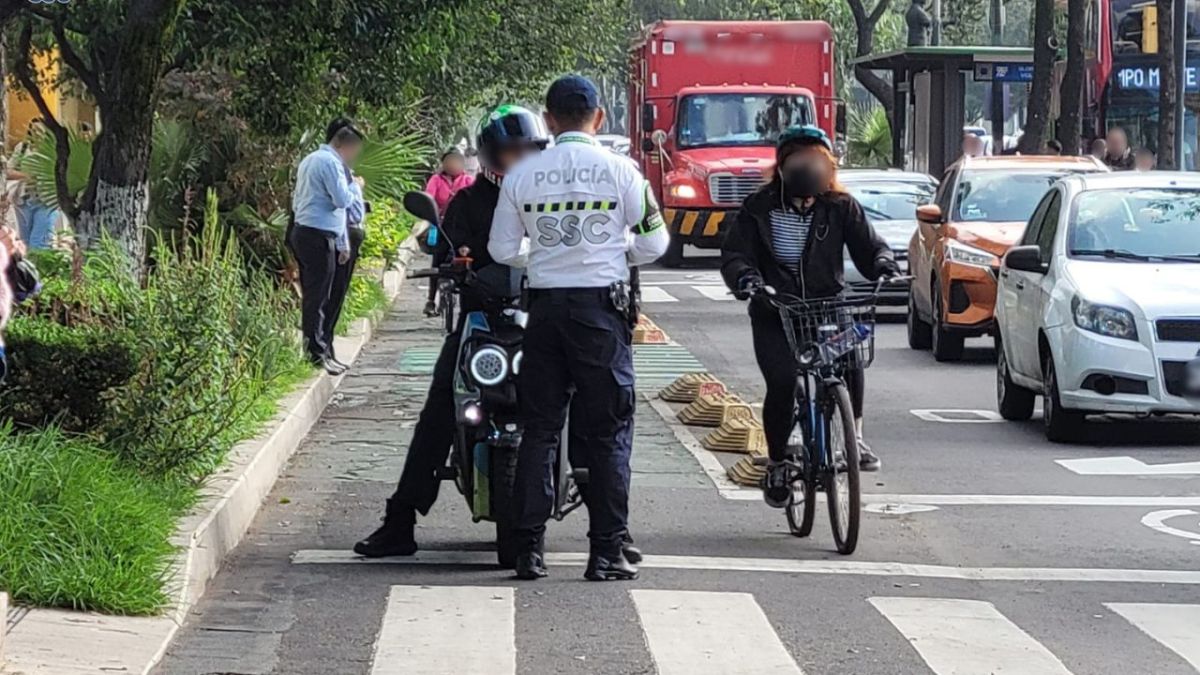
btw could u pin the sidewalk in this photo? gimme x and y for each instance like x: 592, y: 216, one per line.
x: 258, y: 615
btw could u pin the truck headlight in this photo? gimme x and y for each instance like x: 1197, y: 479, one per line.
x: 961, y: 253
x: 1103, y: 319
x: 683, y: 192
x: 489, y: 366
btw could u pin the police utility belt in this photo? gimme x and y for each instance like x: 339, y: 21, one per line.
x: 624, y: 297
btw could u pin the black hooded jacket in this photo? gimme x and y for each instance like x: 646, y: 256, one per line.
x: 839, y: 222
x: 468, y: 222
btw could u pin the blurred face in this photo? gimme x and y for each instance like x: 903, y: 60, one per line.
x: 510, y: 156
x: 349, y: 152
x: 453, y: 164
x: 972, y: 146
x: 1117, y: 142
x: 1144, y: 162
x: 806, y: 172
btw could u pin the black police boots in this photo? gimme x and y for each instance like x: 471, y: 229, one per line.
x: 531, y: 565
x: 610, y: 567
x: 394, y: 537
x: 632, y: 553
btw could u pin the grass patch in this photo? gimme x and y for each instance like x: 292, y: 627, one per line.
x: 79, y: 530
x: 366, y: 297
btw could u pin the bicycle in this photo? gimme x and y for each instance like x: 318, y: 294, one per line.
x: 828, y: 336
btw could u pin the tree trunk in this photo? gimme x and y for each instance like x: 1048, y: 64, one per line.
x: 1070, y: 120
x: 1167, y: 91
x: 1044, y: 49
x: 865, y: 25
x: 117, y: 199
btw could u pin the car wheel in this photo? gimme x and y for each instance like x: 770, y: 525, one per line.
x: 1015, y: 402
x: 920, y: 333
x: 674, y: 255
x: 946, y: 346
x: 1062, y: 425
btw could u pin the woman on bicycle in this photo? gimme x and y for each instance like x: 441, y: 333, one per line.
x: 790, y: 235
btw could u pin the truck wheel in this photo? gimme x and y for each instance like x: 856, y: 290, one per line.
x: 674, y: 255
x: 504, y: 477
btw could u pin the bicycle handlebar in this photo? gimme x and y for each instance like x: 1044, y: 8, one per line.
x: 783, y: 299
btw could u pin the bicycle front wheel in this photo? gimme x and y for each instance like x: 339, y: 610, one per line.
x: 843, y: 489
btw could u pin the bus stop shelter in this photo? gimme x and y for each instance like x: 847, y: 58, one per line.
x: 929, y: 85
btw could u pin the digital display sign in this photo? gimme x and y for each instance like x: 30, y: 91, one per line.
x: 1147, y: 78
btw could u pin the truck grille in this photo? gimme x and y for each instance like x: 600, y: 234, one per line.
x: 728, y: 189
x: 1179, y: 330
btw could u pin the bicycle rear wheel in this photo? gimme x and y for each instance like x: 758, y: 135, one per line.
x: 843, y: 489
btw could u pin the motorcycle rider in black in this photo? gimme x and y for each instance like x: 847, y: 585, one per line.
x: 506, y: 135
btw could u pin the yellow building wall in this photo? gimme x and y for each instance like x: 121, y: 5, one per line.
x: 68, y: 109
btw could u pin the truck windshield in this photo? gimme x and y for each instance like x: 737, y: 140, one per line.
x: 739, y: 119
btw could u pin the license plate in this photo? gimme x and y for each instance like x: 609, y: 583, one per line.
x: 1191, y: 378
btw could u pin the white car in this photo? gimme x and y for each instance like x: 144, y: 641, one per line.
x: 1098, y: 307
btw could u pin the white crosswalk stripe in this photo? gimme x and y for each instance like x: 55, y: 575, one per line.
x: 702, y: 633
x: 1175, y: 626
x: 967, y: 637
x: 657, y: 294
x: 676, y: 292
x: 718, y: 293
x: 423, y: 630
x: 728, y: 633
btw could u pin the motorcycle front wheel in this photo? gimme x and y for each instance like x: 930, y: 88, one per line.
x: 504, y: 476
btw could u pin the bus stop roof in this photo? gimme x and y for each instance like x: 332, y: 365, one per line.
x: 922, y: 58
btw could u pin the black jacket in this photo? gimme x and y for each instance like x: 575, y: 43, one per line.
x: 838, y: 222
x: 468, y: 222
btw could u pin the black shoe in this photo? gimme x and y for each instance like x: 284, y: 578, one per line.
x: 610, y: 568
x: 867, y: 460
x: 430, y: 309
x: 531, y: 566
x: 394, y: 537
x: 777, y: 485
x: 632, y: 553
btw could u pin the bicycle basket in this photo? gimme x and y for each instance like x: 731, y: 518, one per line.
x: 830, y: 332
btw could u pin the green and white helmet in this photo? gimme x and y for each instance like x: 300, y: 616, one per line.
x: 506, y: 127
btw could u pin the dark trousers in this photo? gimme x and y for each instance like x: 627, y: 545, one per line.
x: 341, y: 286
x: 575, y: 339
x: 316, y: 253
x: 778, y: 366
x: 432, y: 437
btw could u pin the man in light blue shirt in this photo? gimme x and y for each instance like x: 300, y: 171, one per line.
x: 325, y: 197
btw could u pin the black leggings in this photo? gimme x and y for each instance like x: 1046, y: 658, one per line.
x: 778, y: 366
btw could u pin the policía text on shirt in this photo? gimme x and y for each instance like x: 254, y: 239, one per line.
x: 596, y: 174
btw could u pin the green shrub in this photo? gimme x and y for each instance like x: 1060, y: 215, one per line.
x: 62, y: 374
x: 387, y: 227
x: 365, y: 297
x: 78, y: 530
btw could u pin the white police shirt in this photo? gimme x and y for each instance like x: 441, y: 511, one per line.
x: 577, y: 216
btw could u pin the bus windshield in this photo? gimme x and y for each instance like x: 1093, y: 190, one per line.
x: 739, y: 119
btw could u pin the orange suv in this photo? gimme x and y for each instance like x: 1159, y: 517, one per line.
x: 980, y: 210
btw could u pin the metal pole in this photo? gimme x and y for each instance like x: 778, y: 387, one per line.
x: 1179, y: 27
x: 997, y: 107
x: 935, y: 36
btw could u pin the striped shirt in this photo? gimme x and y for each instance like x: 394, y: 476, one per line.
x: 789, y: 233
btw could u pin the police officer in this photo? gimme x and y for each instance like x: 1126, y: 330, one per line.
x: 578, y: 217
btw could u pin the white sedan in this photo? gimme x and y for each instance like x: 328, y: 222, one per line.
x: 1098, y: 307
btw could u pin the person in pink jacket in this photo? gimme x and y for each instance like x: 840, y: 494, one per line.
x: 452, y: 177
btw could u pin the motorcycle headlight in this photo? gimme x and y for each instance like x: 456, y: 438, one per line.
x: 958, y: 252
x: 489, y: 366
x: 516, y: 363
x: 1103, y: 319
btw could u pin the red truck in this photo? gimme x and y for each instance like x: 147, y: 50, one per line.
x: 707, y: 100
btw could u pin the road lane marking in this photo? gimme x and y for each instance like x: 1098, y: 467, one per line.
x: 706, y: 633
x: 1157, y: 520
x: 708, y: 462
x: 718, y: 293
x: 447, y: 630
x: 1177, y: 627
x: 1127, y: 466
x: 958, y: 416
x: 784, y: 566
x: 961, y: 637
x: 656, y: 294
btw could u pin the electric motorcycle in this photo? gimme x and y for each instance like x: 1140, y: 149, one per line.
x: 483, y: 464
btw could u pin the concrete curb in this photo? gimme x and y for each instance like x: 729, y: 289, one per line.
x: 61, y: 642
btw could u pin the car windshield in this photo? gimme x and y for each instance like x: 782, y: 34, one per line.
x: 891, y: 200
x: 1001, y: 196
x: 1149, y: 224
x: 739, y: 119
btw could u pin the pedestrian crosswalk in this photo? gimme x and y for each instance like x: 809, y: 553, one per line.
x: 443, y: 630
x: 687, y: 292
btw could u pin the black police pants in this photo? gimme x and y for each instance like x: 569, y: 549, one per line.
x: 433, y: 436
x: 316, y: 254
x: 575, y: 339
x: 778, y: 366
x: 341, y: 286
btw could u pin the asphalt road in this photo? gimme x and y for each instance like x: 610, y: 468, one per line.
x: 981, y: 553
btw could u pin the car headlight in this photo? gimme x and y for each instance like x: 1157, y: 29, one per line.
x: 1103, y: 319
x: 958, y: 252
x: 683, y: 192
x: 489, y: 366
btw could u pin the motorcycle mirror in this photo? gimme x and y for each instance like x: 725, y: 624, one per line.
x: 421, y: 205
